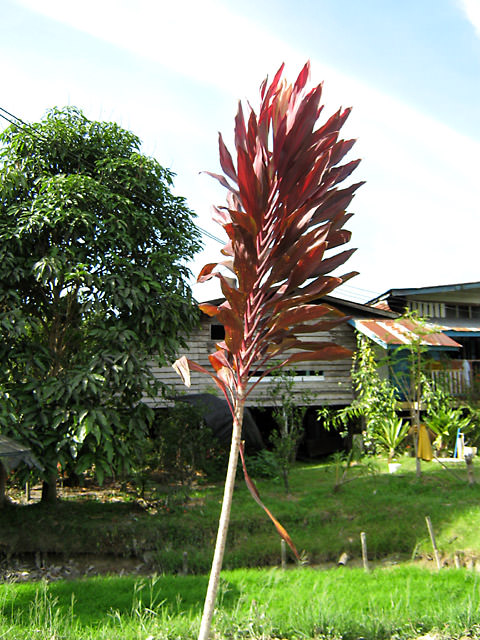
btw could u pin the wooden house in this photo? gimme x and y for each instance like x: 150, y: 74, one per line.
x: 327, y: 383
x: 455, y: 310
x: 319, y: 384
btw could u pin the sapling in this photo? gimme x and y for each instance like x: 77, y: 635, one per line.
x: 284, y: 214
x: 289, y: 409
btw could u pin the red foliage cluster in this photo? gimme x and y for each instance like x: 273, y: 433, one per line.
x: 284, y: 212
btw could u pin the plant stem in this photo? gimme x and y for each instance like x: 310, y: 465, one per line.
x: 224, y: 519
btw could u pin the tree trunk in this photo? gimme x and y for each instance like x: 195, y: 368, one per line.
x: 49, y: 489
x: 223, y: 522
x: 3, y: 484
x: 286, y: 483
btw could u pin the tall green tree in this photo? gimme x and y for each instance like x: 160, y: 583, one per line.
x: 93, y: 284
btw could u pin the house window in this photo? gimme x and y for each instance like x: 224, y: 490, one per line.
x: 217, y: 332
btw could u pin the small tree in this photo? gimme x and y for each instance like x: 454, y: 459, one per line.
x: 407, y: 366
x: 284, y: 213
x: 93, y: 247
x: 375, y: 400
x: 289, y: 411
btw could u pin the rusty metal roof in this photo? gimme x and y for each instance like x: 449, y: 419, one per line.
x: 396, y: 333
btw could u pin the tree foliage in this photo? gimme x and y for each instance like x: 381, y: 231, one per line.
x: 93, y: 247
x: 375, y: 400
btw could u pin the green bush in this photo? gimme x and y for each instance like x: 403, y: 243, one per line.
x: 264, y: 464
x: 183, y: 448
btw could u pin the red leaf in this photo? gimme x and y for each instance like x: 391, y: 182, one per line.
x: 218, y: 360
x: 340, y: 173
x: 340, y: 150
x: 236, y: 298
x: 206, y: 272
x: 302, y: 314
x: 233, y: 328
x: 329, y: 264
x: 247, y: 184
x: 245, y: 221
x: 183, y: 370
x: 226, y: 161
x: 252, y: 133
x: 328, y: 352
x: 334, y: 123
x: 335, y: 200
x: 221, y: 215
x: 314, y: 290
x: 209, y: 309
x: 302, y: 78
x: 256, y: 496
x: 324, y: 325
x: 272, y: 88
x: 183, y: 366
x: 240, y: 130
x: 220, y: 179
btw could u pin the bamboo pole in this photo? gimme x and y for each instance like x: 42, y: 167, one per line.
x: 434, y: 544
x: 363, y: 539
x: 283, y: 551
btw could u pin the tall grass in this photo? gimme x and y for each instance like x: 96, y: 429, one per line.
x: 402, y: 602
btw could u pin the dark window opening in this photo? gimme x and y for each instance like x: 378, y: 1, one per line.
x: 217, y: 332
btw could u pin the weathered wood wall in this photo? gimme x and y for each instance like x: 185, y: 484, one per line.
x: 330, y: 386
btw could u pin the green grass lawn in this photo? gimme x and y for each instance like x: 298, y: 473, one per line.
x: 390, y: 509
x: 403, y: 602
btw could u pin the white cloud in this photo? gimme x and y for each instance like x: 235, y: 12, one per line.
x: 471, y: 8
x: 204, y: 40
x: 417, y: 215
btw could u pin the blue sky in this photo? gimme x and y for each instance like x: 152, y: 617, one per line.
x: 173, y: 72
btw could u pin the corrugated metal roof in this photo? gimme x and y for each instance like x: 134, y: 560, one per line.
x: 396, y: 333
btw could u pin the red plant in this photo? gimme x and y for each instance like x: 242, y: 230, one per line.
x: 284, y: 213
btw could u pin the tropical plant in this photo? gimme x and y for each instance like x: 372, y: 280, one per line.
x: 93, y: 285
x: 445, y: 424
x: 390, y: 435
x: 284, y: 213
x: 407, y: 366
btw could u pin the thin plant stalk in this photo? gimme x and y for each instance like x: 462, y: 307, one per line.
x: 222, y: 532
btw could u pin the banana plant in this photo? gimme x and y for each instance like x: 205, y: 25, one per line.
x: 285, y: 213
